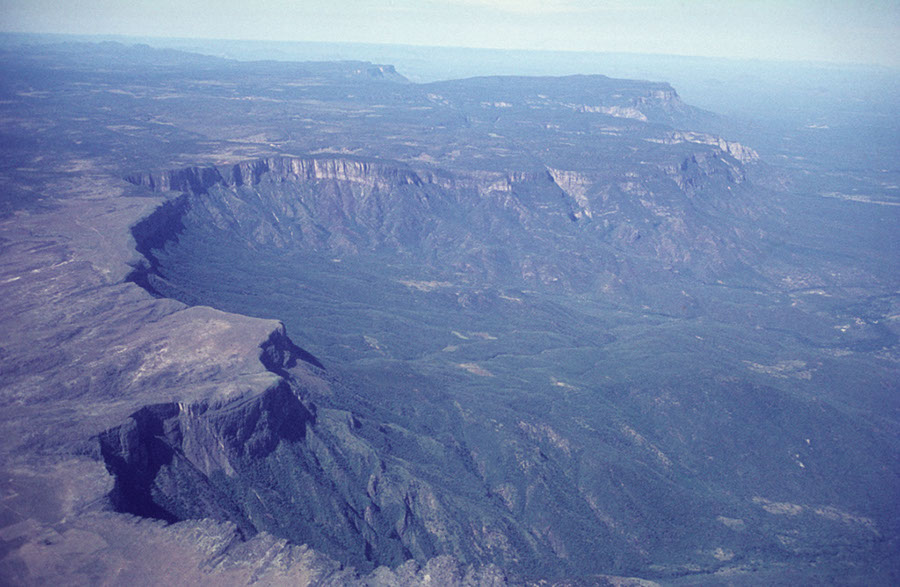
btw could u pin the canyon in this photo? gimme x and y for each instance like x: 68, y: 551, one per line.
x: 313, y: 323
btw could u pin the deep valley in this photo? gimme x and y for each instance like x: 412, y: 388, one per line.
x: 314, y: 323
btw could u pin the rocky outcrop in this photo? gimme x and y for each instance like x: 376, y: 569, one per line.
x: 364, y: 172
x: 576, y: 185
x: 614, y: 111
x: 740, y: 152
x: 700, y: 168
x: 659, y: 104
x: 198, y: 180
x: 190, y: 179
x: 169, y: 459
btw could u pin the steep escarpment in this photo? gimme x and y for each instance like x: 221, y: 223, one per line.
x: 742, y: 153
x: 471, y: 407
x: 371, y: 173
x: 364, y: 487
x: 387, y: 468
x: 458, y: 407
x: 596, y: 94
x: 166, y: 458
x: 265, y: 459
x: 198, y: 180
x: 687, y: 211
x: 169, y: 459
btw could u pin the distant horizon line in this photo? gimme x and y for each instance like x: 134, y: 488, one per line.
x: 85, y: 37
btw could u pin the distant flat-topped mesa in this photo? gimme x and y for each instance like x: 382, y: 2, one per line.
x: 142, y: 62
x: 593, y: 94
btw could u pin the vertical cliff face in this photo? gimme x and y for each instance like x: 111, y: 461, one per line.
x: 681, y: 212
x: 173, y: 461
x: 190, y: 179
x: 198, y: 180
x: 153, y: 232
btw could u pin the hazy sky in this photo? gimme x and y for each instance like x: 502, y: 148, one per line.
x: 863, y: 31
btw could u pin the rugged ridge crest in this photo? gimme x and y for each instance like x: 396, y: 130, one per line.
x: 479, y: 222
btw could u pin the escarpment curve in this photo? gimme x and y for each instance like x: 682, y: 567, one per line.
x: 198, y: 457
x: 375, y: 487
x: 263, y: 457
x: 687, y: 211
x: 344, y: 205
